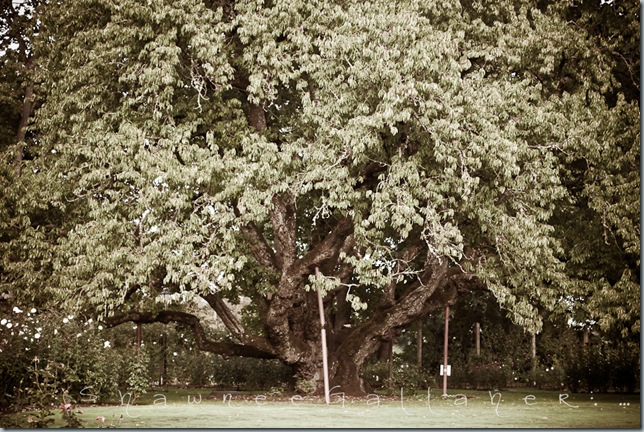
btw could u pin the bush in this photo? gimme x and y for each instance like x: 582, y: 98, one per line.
x: 600, y: 368
x: 138, y: 380
x: 65, y: 354
x: 483, y: 373
x: 375, y: 374
x: 205, y: 369
x: 408, y: 377
x: 625, y: 370
x: 305, y: 386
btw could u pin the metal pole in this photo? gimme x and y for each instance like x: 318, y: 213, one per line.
x: 445, y: 343
x: 325, y: 365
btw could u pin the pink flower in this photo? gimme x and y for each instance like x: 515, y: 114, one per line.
x: 66, y: 407
x: 101, y: 419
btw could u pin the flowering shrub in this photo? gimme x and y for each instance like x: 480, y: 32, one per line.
x: 46, y: 354
x: 69, y: 415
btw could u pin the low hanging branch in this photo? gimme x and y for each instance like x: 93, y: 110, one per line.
x: 204, y: 344
x: 232, y: 323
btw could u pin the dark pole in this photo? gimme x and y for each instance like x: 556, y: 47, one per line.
x: 162, y: 378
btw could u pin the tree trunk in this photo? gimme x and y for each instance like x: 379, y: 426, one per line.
x: 21, y: 134
x: 348, y: 378
x: 295, y: 333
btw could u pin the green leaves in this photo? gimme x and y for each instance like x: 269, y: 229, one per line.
x: 444, y: 133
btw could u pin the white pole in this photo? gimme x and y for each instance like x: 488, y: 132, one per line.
x: 445, y: 344
x: 325, y: 365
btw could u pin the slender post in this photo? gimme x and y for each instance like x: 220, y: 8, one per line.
x: 325, y: 364
x: 163, y: 358
x: 478, y: 339
x: 139, y: 338
x: 419, y: 345
x: 533, y: 351
x: 445, y: 343
x: 390, y: 358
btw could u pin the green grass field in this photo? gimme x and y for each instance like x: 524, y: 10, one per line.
x: 524, y: 408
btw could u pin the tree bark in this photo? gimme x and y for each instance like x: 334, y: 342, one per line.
x: 21, y: 134
x: 28, y: 103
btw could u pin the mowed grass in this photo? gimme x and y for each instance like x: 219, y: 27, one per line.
x: 515, y: 408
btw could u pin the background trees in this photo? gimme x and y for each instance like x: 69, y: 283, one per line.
x: 411, y: 153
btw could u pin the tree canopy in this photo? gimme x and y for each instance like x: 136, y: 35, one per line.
x: 409, y: 151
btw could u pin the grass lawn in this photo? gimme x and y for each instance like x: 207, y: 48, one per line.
x: 517, y: 408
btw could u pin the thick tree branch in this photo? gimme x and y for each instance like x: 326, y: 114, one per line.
x: 259, y: 248
x: 402, y: 264
x: 234, y: 325
x: 204, y: 344
x: 284, y: 235
x: 257, y: 117
x: 326, y: 249
x: 408, y: 308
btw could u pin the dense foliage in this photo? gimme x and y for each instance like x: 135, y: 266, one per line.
x: 392, y: 155
x: 50, y: 359
x: 570, y: 358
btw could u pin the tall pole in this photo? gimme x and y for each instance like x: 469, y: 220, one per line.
x: 478, y: 339
x: 390, y: 357
x: 419, y: 345
x: 325, y: 364
x: 139, y: 338
x: 445, y: 342
x: 533, y: 349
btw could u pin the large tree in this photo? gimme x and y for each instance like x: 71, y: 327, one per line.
x: 389, y: 154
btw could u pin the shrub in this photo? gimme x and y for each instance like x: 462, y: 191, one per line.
x: 138, y: 380
x: 375, y: 374
x: 305, y: 385
x: 68, y: 354
x: 408, y: 377
x: 625, y: 370
x: 598, y: 368
x: 484, y: 372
